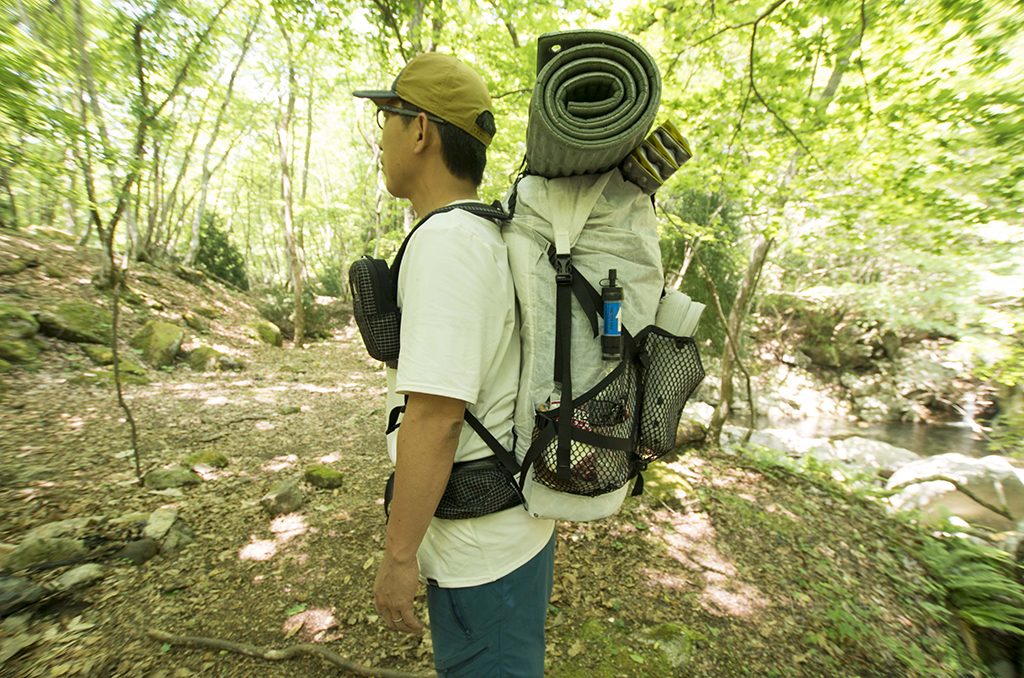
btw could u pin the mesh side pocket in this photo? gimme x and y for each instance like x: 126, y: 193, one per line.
x: 373, y: 305
x: 609, y: 409
x: 477, y: 488
x: 672, y: 373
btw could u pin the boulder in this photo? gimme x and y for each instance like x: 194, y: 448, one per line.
x: 160, y: 522
x: 72, y: 527
x: 18, y: 350
x: 16, y: 593
x: 196, y: 322
x: 204, y: 358
x: 784, y: 440
x: 16, y: 324
x: 101, y: 355
x: 208, y: 458
x: 159, y: 342
x: 77, y: 321
x: 267, y: 332
x: 131, y: 373
x: 866, y: 454
x: 165, y: 478
x: 38, y: 550
x: 286, y: 497
x: 324, y: 477
x: 138, y: 552
x: 179, y: 536
x: 81, y: 576
x: 993, y: 479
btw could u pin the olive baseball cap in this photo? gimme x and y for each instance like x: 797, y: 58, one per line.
x: 442, y: 85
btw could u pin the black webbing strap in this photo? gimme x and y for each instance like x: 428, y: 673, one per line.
x: 563, y: 359
x: 506, y: 458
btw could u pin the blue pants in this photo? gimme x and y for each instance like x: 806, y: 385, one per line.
x: 494, y: 630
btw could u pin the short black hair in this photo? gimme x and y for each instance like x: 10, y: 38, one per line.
x: 463, y: 155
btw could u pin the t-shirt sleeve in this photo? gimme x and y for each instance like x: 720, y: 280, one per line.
x: 452, y: 316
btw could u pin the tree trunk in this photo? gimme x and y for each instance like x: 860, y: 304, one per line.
x: 285, y: 150
x: 9, y: 220
x: 193, y: 249
x: 737, y: 314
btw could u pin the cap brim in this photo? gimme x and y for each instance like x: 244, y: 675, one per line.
x: 375, y: 94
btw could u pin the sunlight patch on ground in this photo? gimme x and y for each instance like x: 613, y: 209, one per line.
x: 216, y: 400
x: 264, y: 426
x: 280, y: 463
x: 258, y: 549
x: 288, y: 526
x: 330, y: 458
x: 690, y: 539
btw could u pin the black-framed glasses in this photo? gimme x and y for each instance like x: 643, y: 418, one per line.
x: 408, y: 112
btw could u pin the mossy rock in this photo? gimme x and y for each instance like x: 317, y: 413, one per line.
x: 54, y: 272
x: 4, y: 366
x: 323, y: 476
x: 166, y: 478
x: 196, y: 322
x: 289, y: 409
x: 77, y: 321
x: 207, y: 312
x: 267, y: 332
x: 101, y: 355
x: 204, y: 358
x: 159, y: 342
x: 16, y: 323
x: 25, y: 351
x: 208, y: 458
x: 13, y: 266
x: 149, y: 279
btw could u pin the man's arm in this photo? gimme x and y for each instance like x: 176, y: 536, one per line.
x: 427, y: 441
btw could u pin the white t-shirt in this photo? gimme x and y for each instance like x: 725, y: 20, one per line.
x: 460, y: 339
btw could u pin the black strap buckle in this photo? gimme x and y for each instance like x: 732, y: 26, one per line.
x: 563, y: 269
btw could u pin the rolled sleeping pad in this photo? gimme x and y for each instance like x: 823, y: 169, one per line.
x: 652, y: 163
x: 596, y: 97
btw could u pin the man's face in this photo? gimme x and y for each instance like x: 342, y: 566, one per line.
x: 397, y: 136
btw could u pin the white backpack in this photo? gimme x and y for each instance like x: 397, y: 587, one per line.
x: 578, y: 454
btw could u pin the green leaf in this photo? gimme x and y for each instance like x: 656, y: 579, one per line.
x: 296, y: 608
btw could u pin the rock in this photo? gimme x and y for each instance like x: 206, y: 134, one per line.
x: 77, y: 321
x: 993, y: 479
x: 138, y: 552
x: 866, y: 454
x: 208, y: 458
x: 267, y: 332
x: 196, y: 322
x: 81, y: 576
x: 159, y: 342
x: 207, y: 312
x: 16, y: 323
x: 324, y: 477
x: 135, y: 517
x: 38, y: 550
x: 289, y: 409
x: 204, y: 358
x: 18, y: 351
x: 784, y: 440
x: 160, y: 522
x: 63, y: 528
x: 286, y: 497
x: 16, y: 593
x: 165, y: 478
x: 179, y: 536
x: 101, y: 355
x: 690, y: 432
x: 189, y: 275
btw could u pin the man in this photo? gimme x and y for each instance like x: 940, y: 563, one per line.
x: 488, y: 578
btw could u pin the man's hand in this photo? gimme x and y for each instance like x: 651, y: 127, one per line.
x: 393, y: 592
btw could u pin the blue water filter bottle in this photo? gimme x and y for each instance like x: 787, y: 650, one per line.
x: 611, y: 298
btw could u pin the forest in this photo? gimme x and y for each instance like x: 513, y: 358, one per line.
x: 184, y: 186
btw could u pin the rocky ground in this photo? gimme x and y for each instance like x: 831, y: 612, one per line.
x: 727, y: 566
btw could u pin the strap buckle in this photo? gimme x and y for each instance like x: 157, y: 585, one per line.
x: 563, y: 269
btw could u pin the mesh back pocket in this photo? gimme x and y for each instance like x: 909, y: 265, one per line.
x: 374, y: 307
x: 478, y: 488
x: 671, y: 373
x: 604, y: 419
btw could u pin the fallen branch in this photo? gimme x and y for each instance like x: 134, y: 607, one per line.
x: 1004, y: 511
x: 278, y: 655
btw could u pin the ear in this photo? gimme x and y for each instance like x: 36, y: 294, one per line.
x: 424, y: 133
